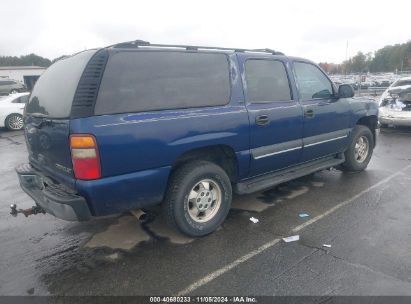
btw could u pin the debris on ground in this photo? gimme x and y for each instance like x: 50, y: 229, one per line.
x: 326, y: 245
x: 292, y: 238
x: 254, y: 220
x: 302, y: 215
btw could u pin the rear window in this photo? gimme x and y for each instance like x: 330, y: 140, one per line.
x: 54, y: 91
x: 401, y: 83
x: 158, y: 80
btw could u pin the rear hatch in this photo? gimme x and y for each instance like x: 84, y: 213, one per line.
x: 47, y: 117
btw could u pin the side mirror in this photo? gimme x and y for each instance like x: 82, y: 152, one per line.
x: 345, y: 91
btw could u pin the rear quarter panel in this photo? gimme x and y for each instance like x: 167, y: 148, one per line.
x: 137, y: 150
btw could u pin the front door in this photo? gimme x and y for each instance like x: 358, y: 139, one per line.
x: 326, y: 118
x: 275, y: 114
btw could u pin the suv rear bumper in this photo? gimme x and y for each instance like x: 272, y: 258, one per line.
x: 54, y: 198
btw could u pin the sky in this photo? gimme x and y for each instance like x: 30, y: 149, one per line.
x: 314, y: 29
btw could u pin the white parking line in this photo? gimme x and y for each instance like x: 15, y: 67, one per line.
x: 215, y: 274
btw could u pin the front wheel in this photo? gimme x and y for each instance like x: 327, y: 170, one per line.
x: 359, y: 151
x: 198, y: 198
x: 14, y: 122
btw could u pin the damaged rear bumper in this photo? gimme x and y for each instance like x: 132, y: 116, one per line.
x: 54, y: 198
x: 398, y: 118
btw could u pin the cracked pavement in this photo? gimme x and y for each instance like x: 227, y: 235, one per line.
x: 370, y: 239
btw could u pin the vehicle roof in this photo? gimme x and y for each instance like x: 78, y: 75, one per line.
x: 248, y: 53
x: 140, y: 44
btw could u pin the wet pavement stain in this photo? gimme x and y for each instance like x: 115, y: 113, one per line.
x: 297, y: 192
x: 125, y: 234
x: 249, y: 203
x: 159, y: 228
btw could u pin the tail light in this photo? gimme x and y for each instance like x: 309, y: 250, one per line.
x: 85, y: 157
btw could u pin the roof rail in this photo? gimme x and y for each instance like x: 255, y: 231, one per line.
x: 142, y: 43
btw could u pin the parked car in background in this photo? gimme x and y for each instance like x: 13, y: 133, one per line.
x: 395, y: 104
x: 135, y: 125
x: 9, y: 86
x: 11, y: 110
x: 403, y: 81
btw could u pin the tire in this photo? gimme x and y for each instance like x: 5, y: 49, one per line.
x: 14, y: 122
x: 211, y: 205
x: 384, y: 126
x: 14, y: 91
x: 359, y: 151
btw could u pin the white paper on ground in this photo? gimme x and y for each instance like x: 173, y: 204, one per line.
x: 291, y: 238
x: 326, y: 245
x: 254, y: 220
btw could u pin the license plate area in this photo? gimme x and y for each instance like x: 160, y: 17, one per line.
x: 32, y: 181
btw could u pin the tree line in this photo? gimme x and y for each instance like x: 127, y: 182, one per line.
x: 390, y: 58
x: 26, y: 60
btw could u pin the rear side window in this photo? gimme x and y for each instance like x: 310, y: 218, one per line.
x: 400, y: 83
x: 22, y: 99
x: 312, y: 83
x: 148, y: 81
x: 54, y: 91
x: 267, y: 81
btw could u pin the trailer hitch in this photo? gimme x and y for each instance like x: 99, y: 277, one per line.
x: 30, y: 211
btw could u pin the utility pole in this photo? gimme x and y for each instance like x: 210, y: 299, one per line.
x: 346, y: 55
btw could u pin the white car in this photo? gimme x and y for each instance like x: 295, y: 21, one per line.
x: 404, y: 81
x: 11, y: 110
x: 395, y: 104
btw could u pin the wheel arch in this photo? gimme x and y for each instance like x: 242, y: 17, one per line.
x: 222, y: 155
x: 370, y: 122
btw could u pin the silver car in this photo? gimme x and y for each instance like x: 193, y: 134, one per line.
x: 9, y: 86
x: 395, y: 104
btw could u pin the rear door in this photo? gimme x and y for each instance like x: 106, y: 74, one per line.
x: 274, y: 112
x: 47, y: 117
x: 326, y: 118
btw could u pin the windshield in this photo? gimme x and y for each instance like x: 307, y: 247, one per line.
x: 54, y: 91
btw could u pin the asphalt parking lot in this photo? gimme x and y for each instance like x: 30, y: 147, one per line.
x: 365, y: 217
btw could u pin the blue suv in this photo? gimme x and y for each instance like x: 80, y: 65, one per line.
x: 136, y: 124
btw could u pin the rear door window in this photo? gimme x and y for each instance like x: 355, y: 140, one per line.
x: 267, y: 81
x: 157, y: 80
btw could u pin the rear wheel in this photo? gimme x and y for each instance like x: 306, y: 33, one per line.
x: 359, y: 151
x: 198, y: 198
x: 14, y: 122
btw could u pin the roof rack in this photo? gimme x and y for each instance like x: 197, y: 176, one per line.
x: 142, y: 43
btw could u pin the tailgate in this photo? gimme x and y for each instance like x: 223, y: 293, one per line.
x: 47, y: 117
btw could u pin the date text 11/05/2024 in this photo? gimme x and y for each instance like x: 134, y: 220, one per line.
x: 204, y: 299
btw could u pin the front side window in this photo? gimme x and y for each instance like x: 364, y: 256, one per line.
x: 157, y: 80
x: 267, y: 81
x: 312, y: 83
